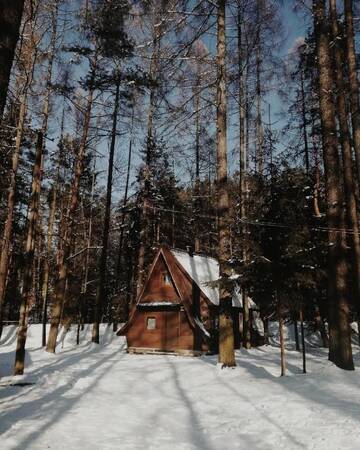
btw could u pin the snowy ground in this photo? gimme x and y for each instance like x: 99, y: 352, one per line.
x: 99, y: 397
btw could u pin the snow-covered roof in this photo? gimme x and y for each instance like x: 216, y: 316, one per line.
x: 204, y: 270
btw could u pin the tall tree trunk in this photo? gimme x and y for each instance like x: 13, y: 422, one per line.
x: 7, y: 233
x: 281, y: 335
x: 197, y: 168
x: 259, y: 125
x: 146, y: 201
x: 246, y: 334
x: 44, y: 288
x: 29, y: 259
x: 125, y: 199
x: 101, y: 291
x: 303, y: 348
x: 63, y: 265
x: 10, y: 19
x: 119, y: 264
x: 50, y: 231
x: 353, y: 80
x: 296, y: 332
x: 226, y: 332
x: 304, y: 123
x: 345, y: 140
x: 340, y: 351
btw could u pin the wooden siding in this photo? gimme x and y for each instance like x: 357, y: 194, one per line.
x: 172, y: 331
x: 156, y: 288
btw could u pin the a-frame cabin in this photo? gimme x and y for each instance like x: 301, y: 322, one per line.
x: 173, y: 313
x: 176, y: 312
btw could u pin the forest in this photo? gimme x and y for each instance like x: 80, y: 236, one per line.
x: 206, y: 126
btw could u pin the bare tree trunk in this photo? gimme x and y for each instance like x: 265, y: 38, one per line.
x: 304, y: 124
x: 197, y: 168
x: 119, y: 264
x: 29, y: 259
x: 243, y: 185
x: 226, y: 332
x: 60, y: 285
x: 10, y: 19
x: 353, y: 80
x: 146, y: 201
x: 101, y: 291
x: 281, y: 335
x: 340, y: 351
x: 121, y: 240
x: 50, y: 231
x: 259, y: 125
x: 44, y: 288
x: 302, y: 338
x: 296, y: 332
x: 6, y: 238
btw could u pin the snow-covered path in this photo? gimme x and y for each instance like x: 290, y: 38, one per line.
x: 102, y: 398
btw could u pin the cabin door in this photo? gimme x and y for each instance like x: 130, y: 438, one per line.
x: 172, y: 330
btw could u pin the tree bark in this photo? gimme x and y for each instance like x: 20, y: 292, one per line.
x: 259, y: 125
x: 353, y: 80
x: 226, y: 332
x: 50, y: 231
x: 197, y: 168
x: 101, y: 291
x: 60, y: 285
x: 340, y: 351
x: 281, y: 335
x: 302, y: 338
x: 345, y: 141
x: 146, y: 201
x: 11, y: 12
x: 29, y: 259
x: 296, y: 332
x: 6, y: 238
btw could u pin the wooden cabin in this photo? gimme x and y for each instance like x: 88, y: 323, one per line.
x: 176, y: 312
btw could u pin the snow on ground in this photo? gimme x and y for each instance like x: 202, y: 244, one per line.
x: 99, y: 397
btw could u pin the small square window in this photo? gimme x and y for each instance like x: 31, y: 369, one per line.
x: 151, y: 323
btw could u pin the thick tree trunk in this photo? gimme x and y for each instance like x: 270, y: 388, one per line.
x: 101, y: 291
x: 345, y: 140
x: 60, y: 285
x: 353, y: 80
x: 10, y: 19
x: 226, y: 332
x: 29, y: 259
x: 340, y: 351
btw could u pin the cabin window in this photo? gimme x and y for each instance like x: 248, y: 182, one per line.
x: 166, y: 278
x: 151, y: 323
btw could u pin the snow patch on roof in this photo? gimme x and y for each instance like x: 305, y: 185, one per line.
x: 204, y: 270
